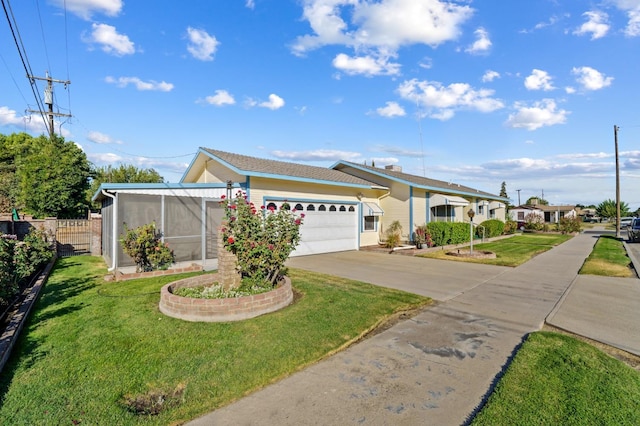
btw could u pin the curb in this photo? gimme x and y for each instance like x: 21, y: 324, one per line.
x: 12, y: 332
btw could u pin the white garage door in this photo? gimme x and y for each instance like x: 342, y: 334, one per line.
x: 326, y: 227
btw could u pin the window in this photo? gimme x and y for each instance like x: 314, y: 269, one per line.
x: 343, y: 209
x: 492, y: 214
x: 352, y: 209
x: 311, y: 208
x: 521, y: 216
x: 272, y: 206
x: 370, y: 223
x: 332, y: 208
x: 322, y: 208
x: 299, y: 207
x: 481, y: 210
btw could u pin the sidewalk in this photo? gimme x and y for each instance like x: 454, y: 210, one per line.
x: 435, y: 369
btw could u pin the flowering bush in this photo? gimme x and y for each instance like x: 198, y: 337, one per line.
x: 146, y: 248
x: 422, y: 236
x: 262, y: 239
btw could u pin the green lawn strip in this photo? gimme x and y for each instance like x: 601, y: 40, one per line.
x: 608, y: 258
x: 558, y: 380
x: 90, y: 343
x: 511, y: 251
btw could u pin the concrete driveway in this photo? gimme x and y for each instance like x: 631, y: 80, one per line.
x: 439, y: 279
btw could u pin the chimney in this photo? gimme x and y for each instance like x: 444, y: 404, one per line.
x: 393, y: 168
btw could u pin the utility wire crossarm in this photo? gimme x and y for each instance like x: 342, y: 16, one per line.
x: 48, y: 99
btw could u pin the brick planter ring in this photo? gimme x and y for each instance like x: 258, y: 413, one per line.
x: 221, y: 310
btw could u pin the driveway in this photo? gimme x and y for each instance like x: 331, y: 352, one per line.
x: 439, y: 279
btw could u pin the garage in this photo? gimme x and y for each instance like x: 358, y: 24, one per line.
x: 327, y: 227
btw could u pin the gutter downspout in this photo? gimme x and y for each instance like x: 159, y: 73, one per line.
x: 114, y: 252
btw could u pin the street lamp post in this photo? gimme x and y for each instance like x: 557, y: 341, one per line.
x: 471, y: 213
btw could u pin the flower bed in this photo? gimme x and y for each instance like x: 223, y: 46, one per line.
x: 221, y: 310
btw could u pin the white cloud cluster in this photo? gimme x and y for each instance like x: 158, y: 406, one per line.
x: 101, y: 138
x: 32, y: 123
x: 274, y: 102
x: 538, y: 80
x: 632, y: 9
x: 591, y: 79
x: 489, y: 76
x: 111, y: 41
x: 140, y: 84
x: 442, y: 101
x: 221, y: 98
x: 392, y: 109
x: 378, y: 29
x: 202, y: 45
x: 540, y: 114
x: 597, y: 25
x: 482, y: 43
x: 85, y: 9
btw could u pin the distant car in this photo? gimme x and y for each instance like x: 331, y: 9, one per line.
x: 625, y: 222
x: 633, y: 230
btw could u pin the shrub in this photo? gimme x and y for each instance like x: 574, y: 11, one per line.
x: 422, y: 236
x: 445, y: 233
x: 510, y: 226
x: 534, y: 222
x: 145, y: 247
x: 8, y: 283
x: 393, y: 234
x: 262, y: 240
x: 492, y: 228
x: 568, y: 225
x: 459, y: 232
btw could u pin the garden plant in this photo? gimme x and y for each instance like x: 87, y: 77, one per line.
x: 144, y: 245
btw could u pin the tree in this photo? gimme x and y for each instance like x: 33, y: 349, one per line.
x: 11, y: 147
x: 52, y: 176
x: 124, y: 173
x: 536, y: 200
x: 608, y: 209
x: 503, y: 193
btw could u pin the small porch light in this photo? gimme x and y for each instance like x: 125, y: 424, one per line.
x: 229, y: 188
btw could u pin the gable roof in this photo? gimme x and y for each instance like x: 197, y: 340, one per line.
x: 418, y: 181
x: 253, y: 166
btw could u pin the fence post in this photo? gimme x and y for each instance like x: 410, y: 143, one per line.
x: 96, y: 234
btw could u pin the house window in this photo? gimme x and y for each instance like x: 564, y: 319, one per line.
x: 322, y: 208
x: 370, y: 223
x: 481, y: 210
x: 520, y: 216
x: 311, y: 208
x: 299, y: 207
x: 272, y: 206
x: 443, y: 213
x: 343, y: 209
x: 352, y: 209
x: 492, y: 214
x: 332, y: 208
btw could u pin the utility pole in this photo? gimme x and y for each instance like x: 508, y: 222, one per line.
x: 48, y: 100
x: 615, y: 137
x: 518, y: 190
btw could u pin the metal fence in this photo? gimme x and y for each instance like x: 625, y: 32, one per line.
x: 73, y: 237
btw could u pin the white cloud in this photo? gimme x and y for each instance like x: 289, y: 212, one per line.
x: 221, y: 98
x: 365, y: 65
x: 317, y: 155
x: 32, y: 123
x: 85, y: 9
x: 111, y: 42
x: 101, y: 138
x: 401, y: 151
x: 539, y: 80
x: 632, y: 8
x: 392, y: 109
x: 250, y: 4
x: 482, y: 43
x: 202, y: 46
x: 591, y: 79
x: 274, y: 102
x: 442, y: 101
x: 386, y: 24
x: 570, y: 90
x: 596, y: 25
x: 139, y: 84
x: 490, y: 75
x: 543, y: 113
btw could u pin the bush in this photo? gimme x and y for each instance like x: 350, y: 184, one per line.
x: 492, y: 228
x: 262, y: 240
x: 393, y: 234
x: 569, y: 225
x: 510, y: 226
x: 445, y: 233
x: 145, y: 247
x: 534, y: 222
x: 422, y: 236
x: 8, y: 283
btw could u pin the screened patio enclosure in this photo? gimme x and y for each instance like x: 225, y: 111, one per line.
x: 188, y: 220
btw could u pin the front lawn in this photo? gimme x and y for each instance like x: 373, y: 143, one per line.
x: 94, y: 351
x: 558, y: 380
x: 512, y: 251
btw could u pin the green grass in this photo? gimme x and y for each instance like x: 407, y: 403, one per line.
x: 608, y: 258
x: 90, y: 343
x: 512, y: 251
x: 558, y: 380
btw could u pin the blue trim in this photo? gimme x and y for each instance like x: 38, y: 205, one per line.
x: 305, y: 200
x: 427, y: 197
x: 195, y: 157
x: 247, y: 187
x: 410, y: 213
x: 165, y: 185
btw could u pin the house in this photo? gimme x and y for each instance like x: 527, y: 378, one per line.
x: 346, y: 206
x: 548, y: 214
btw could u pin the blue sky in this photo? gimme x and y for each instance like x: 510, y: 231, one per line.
x: 472, y: 92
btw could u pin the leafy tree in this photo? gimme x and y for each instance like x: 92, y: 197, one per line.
x: 607, y: 209
x: 124, y: 173
x: 11, y: 147
x: 52, y: 178
x: 540, y: 201
x: 503, y: 193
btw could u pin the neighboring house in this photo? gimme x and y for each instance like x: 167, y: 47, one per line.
x: 549, y: 214
x: 346, y: 206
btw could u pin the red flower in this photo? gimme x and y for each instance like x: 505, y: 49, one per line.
x: 271, y: 247
x: 232, y: 206
x: 223, y: 197
x: 302, y: 216
x: 230, y: 240
x: 262, y: 207
x: 298, y: 221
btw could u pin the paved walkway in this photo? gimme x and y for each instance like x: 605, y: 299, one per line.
x: 437, y: 368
